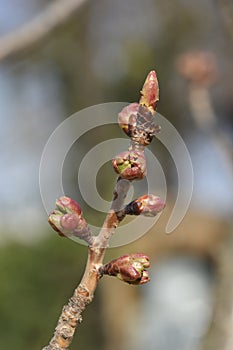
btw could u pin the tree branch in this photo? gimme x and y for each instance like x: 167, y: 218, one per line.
x: 67, y: 218
x: 31, y: 33
x: 71, y: 314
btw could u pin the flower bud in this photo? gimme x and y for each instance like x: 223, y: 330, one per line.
x: 130, y: 268
x: 130, y: 165
x: 150, y: 92
x: 148, y: 205
x: 68, y: 221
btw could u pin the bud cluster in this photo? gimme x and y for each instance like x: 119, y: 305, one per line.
x: 138, y: 121
x: 130, y: 268
x: 67, y: 219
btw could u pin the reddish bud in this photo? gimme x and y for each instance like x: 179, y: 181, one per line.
x: 130, y: 165
x: 148, y: 205
x: 150, y: 92
x: 138, y: 120
x: 130, y: 268
x: 68, y: 221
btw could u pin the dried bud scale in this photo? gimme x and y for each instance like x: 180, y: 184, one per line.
x: 143, y: 127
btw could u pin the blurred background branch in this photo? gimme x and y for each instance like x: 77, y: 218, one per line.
x: 201, y: 71
x: 55, y: 14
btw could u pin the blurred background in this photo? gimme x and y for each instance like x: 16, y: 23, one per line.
x: 58, y: 57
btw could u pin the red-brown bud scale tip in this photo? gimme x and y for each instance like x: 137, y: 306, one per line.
x: 130, y: 268
x: 150, y: 92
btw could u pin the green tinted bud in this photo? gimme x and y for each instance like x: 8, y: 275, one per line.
x: 130, y: 165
